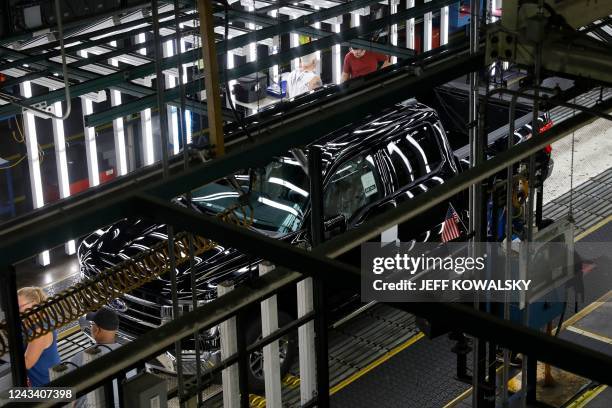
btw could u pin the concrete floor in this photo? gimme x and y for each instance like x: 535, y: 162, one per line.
x: 61, y: 273
x: 592, y: 155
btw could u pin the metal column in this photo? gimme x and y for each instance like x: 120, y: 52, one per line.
x: 271, y: 358
x: 316, y: 225
x: 229, y: 346
x: 475, y: 199
x: 211, y: 77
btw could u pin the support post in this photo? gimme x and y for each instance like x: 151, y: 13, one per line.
x: 211, y: 77
x: 316, y: 226
x: 229, y: 346
x: 271, y: 358
x: 15, y: 338
x: 475, y: 201
x: 306, y: 342
x: 243, y: 360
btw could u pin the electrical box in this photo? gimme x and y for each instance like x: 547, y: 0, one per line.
x: 145, y: 390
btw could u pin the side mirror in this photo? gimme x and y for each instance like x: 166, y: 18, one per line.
x: 335, y: 225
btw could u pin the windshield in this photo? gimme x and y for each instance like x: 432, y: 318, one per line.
x: 278, y: 197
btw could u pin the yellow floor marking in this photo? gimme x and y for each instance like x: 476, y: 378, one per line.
x: 593, y: 228
x: 587, y: 397
x: 459, y: 398
x: 590, y: 334
x: 375, y: 364
x: 586, y: 310
x: 68, y: 332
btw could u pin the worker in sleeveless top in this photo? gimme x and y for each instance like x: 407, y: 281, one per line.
x: 41, y: 353
x: 359, y: 62
x: 304, y: 78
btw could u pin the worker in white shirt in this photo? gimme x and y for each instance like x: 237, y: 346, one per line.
x: 304, y: 78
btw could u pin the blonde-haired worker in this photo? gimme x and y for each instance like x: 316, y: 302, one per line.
x: 41, y: 353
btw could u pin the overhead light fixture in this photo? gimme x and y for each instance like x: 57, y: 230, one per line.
x: 118, y: 129
x: 187, y: 113
x: 355, y: 19
x: 294, y: 41
x: 252, y: 48
x: 90, y: 147
x: 428, y: 30
x: 410, y: 27
x: 336, y: 59
x: 275, y: 41
x: 33, y: 157
x: 172, y: 110
x: 61, y: 162
x: 145, y: 117
x: 393, y: 36
x: 444, y: 25
x: 90, y: 141
x: 317, y: 25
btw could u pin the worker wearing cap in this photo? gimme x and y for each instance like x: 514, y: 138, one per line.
x: 104, y: 326
x: 359, y: 62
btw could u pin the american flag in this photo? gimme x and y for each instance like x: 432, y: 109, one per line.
x: 450, y: 229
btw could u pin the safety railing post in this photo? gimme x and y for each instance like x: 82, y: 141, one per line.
x: 271, y: 358
x: 229, y: 346
x: 243, y: 359
x: 317, y: 236
x: 306, y: 342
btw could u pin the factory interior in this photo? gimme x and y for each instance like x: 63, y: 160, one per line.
x: 217, y: 203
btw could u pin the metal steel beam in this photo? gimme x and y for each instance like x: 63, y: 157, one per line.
x: 75, y: 73
x: 244, y: 16
x: 138, y: 105
x: 74, y: 25
x: 50, y: 50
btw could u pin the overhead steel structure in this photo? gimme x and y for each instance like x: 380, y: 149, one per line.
x: 54, y: 225
x: 71, y: 218
x: 35, y: 59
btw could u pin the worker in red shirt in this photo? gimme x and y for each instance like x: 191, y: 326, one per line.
x: 359, y: 62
